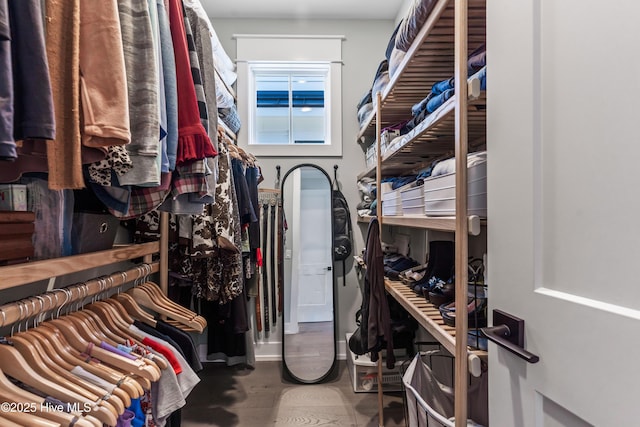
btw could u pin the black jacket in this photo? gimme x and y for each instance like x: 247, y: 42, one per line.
x: 378, y: 324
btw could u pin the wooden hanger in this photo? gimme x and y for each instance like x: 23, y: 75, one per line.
x: 137, y: 367
x: 28, y: 419
x: 40, y: 362
x: 248, y: 158
x: 57, y: 346
x: 162, y: 302
x: 135, y: 387
x: 8, y: 423
x: 135, y: 310
x: 108, y: 329
x: 12, y: 363
x: 109, y: 309
x: 125, y: 330
x: 124, y: 314
x: 233, y: 152
x: 13, y: 393
x: 181, y: 326
x: 111, y: 318
x: 158, y: 296
x: 145, y: 299
x: 60, y: 366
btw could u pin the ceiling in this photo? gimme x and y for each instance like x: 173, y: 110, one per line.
x: 303, y: 9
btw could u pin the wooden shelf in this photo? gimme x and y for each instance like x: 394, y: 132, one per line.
x: 439, y: 223
x: 20, y: 274
x: 430, y: 59
x: 434, y: 137
x: 428, y: 316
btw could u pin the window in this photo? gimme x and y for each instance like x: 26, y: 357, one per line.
x: 288, y: 104
x: 289, y: 92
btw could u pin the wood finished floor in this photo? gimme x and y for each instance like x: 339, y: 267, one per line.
x: 236, y: 396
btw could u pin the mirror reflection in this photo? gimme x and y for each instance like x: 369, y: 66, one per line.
x: 309, y: 350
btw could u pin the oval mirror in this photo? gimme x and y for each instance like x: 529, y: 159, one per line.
x: 309, y: 327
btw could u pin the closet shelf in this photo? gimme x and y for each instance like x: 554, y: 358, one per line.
x: 430, y: 319
x: 429, y: 59
x: 439, y: 223
x: 16, y: 275
x: 434, y: 137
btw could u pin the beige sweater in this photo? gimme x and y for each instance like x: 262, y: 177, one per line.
x: 103, y: 81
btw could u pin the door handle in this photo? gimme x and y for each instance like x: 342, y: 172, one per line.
x: 508, y: 333
x: 329, y: 268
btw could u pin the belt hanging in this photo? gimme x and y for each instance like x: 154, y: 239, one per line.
x: 265, y: 285
x: 280, y: 255
x: 272, y: 260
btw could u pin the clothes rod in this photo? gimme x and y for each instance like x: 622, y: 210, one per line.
x: 30, y: 307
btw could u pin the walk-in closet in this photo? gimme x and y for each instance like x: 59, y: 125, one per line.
x: 376, y: 213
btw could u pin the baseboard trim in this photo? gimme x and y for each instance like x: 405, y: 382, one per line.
x: 272, y: 351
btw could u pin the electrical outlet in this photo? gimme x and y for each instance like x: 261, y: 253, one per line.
x: 287, y: 254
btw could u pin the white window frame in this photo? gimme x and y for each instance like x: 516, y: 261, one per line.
x: 258, y: 50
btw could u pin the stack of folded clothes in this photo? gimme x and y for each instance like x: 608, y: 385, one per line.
x: 443, y: 90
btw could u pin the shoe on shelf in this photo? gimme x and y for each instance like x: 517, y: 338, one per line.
x: 477, y: 317
x: 442, y: 293
x: 414, y: 274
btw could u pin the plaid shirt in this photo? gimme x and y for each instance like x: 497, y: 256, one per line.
x: 191, y: 178
x: 145, y: 199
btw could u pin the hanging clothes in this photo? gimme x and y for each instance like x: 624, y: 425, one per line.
x: 7, y: 143
x: 105, y: 99
x: 379, y: 318
x: 170, y: 85
x: 193, y: 141
x: 30, y: 113
x: 200, y: 24
x: 103, y: 80
x: 163, y: 158
x: 196, y: 74
x: 142, y: 88
x: 63, y: 52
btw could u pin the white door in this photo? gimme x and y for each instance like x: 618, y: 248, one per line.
x: 564, y: 184
x: 315, y: 291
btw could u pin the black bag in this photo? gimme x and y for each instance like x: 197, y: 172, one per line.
x: 342, y: 232
x: 358, y: 340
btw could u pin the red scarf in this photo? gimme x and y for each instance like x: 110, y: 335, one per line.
x: 193, y: 141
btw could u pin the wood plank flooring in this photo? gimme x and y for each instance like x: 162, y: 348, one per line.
x: 228, y: 397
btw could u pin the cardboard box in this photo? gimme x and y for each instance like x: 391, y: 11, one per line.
x: 13, y: 197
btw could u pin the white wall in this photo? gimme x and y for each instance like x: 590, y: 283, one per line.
x: 402, y: 12
x: 363, y: 50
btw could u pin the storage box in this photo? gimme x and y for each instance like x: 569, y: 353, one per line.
x: 412, y: 200
x: 364, y: 373
x: 93, y: 232
x: 391, y: 203
x: 13, y: 197
x: 371, y: 155
x: 440, y: 193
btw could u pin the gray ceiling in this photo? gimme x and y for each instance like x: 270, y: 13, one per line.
x: 303, y: 9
